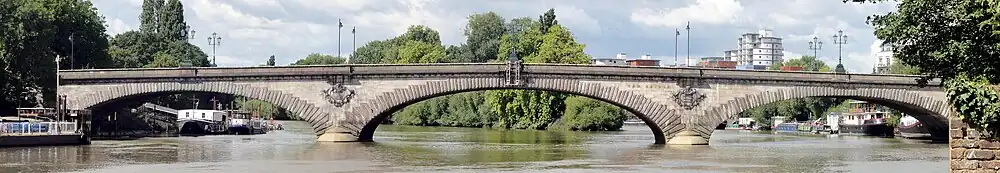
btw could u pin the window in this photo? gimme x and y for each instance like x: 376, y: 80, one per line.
x: 187, y: 114
x: 202, y: 115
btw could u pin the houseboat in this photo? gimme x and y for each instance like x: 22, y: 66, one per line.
x: 866, y: 119
x: 242, y: 123
x: 196, y: 122
x: 910, y: 127
x: 43, y: 126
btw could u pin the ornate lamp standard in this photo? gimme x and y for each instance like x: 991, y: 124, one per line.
x: 840, y: 39
x: 214, y: 41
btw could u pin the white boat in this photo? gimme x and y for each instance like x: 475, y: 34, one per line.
x: 201, y: 122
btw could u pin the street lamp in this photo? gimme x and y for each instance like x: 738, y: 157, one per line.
x: 187, y: 33
x: 214, y: 41
x: 815, y: 46
x: 72, y: 50
x: 840, y: 39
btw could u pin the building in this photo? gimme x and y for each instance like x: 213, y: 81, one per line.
x: 717, y: 62
x: 617, y: 60
x: 883, y: 59
x: 646, y: 60
x: 758, y: 50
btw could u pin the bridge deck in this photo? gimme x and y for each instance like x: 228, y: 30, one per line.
x: 71, y: 76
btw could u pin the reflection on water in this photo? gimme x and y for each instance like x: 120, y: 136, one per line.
x: 441, y: 149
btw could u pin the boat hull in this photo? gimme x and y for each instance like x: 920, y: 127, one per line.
x: 866, y: 130
x: 43, y: 140
x: 915, y: 131
x: 198, y: 128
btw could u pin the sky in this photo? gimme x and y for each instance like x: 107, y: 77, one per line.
x: 253, y: 30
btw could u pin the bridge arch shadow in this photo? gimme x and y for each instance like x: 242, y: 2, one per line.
x: 928, y: 110
x: 312, y: 114
x: 366, y: 118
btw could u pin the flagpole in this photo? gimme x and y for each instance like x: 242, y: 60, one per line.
x: 354, y: 43
x: 688, y: 58
x: 340, y: 24
x: 676, y: 37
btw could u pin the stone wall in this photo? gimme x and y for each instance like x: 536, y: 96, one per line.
x: 970, y: 153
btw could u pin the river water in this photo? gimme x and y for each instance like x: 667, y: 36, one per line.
x: 441, y: 149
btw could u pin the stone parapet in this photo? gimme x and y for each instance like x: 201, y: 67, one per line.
x: 969, y: 152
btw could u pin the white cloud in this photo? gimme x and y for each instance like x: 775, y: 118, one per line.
x: 116, y: 26
x: 704, y: 12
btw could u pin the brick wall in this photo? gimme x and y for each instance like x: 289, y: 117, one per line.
x: 969, y: 153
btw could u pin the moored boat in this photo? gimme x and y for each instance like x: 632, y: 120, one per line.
x: 42, y: 126
x: 910, y: 127
x: 196, y: 122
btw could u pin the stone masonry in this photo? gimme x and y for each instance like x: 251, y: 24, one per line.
x: 347, y: 102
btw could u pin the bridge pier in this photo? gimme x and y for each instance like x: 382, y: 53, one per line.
x: 687, y: 137
x: 337, y: 137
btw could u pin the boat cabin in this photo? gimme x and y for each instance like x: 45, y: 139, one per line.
x: 203, y: 115
x: 862, y: 112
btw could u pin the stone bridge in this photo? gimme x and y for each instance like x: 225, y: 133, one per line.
x: 347, y: 102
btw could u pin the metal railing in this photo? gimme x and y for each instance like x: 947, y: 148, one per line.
x: 37, y: 128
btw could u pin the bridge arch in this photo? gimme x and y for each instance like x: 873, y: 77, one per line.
x: 365, y: 118
x: 315, y: 116
x: 927, y: 109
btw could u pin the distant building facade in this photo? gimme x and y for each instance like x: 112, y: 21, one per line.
x: 622, y: 59
x: 757, y: 50
x: 717, y: 62
x: 883, y: 59
x: 617, y: 60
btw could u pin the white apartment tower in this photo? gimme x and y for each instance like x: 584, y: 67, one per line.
x: 759, y: 49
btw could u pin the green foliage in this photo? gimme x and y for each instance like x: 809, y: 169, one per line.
x: 943, y: 38
x: 808, y: 63
x: 483, y: 34
x: 976, y: 103
x: 591, y: 115
x: 32, y: 34
x: 900, y: 68
x: 950, y: 39
x: 420, y: 52
x: 487, y: 40
x: 318, y: 59
x: 147, y: 19
x: 270, y: 61
x: 163, y: 60
x: 259, y: 108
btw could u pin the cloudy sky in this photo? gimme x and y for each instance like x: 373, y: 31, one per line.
x: 253, y: 30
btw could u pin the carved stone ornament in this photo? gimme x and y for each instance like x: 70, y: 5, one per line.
x: 338, y: 95
x: 688, y: 98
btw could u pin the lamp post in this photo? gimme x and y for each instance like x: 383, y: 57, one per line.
x: 214, y: 41
x: 815, y: 46
x: 72, y: 50
x: 187, y: 33
x: 840, y: 39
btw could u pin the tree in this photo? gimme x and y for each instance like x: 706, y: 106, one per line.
x: 900, y: 68
x: 319, y: 59
x: 148, y: 17
x: 270, y: 61
x: 943, y: 38
x: 162, y: 59
x: 483, y: 34
x: 548, y: 20
x: 171, y: 21
x: 420, y: 52
x: 32, y: 34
